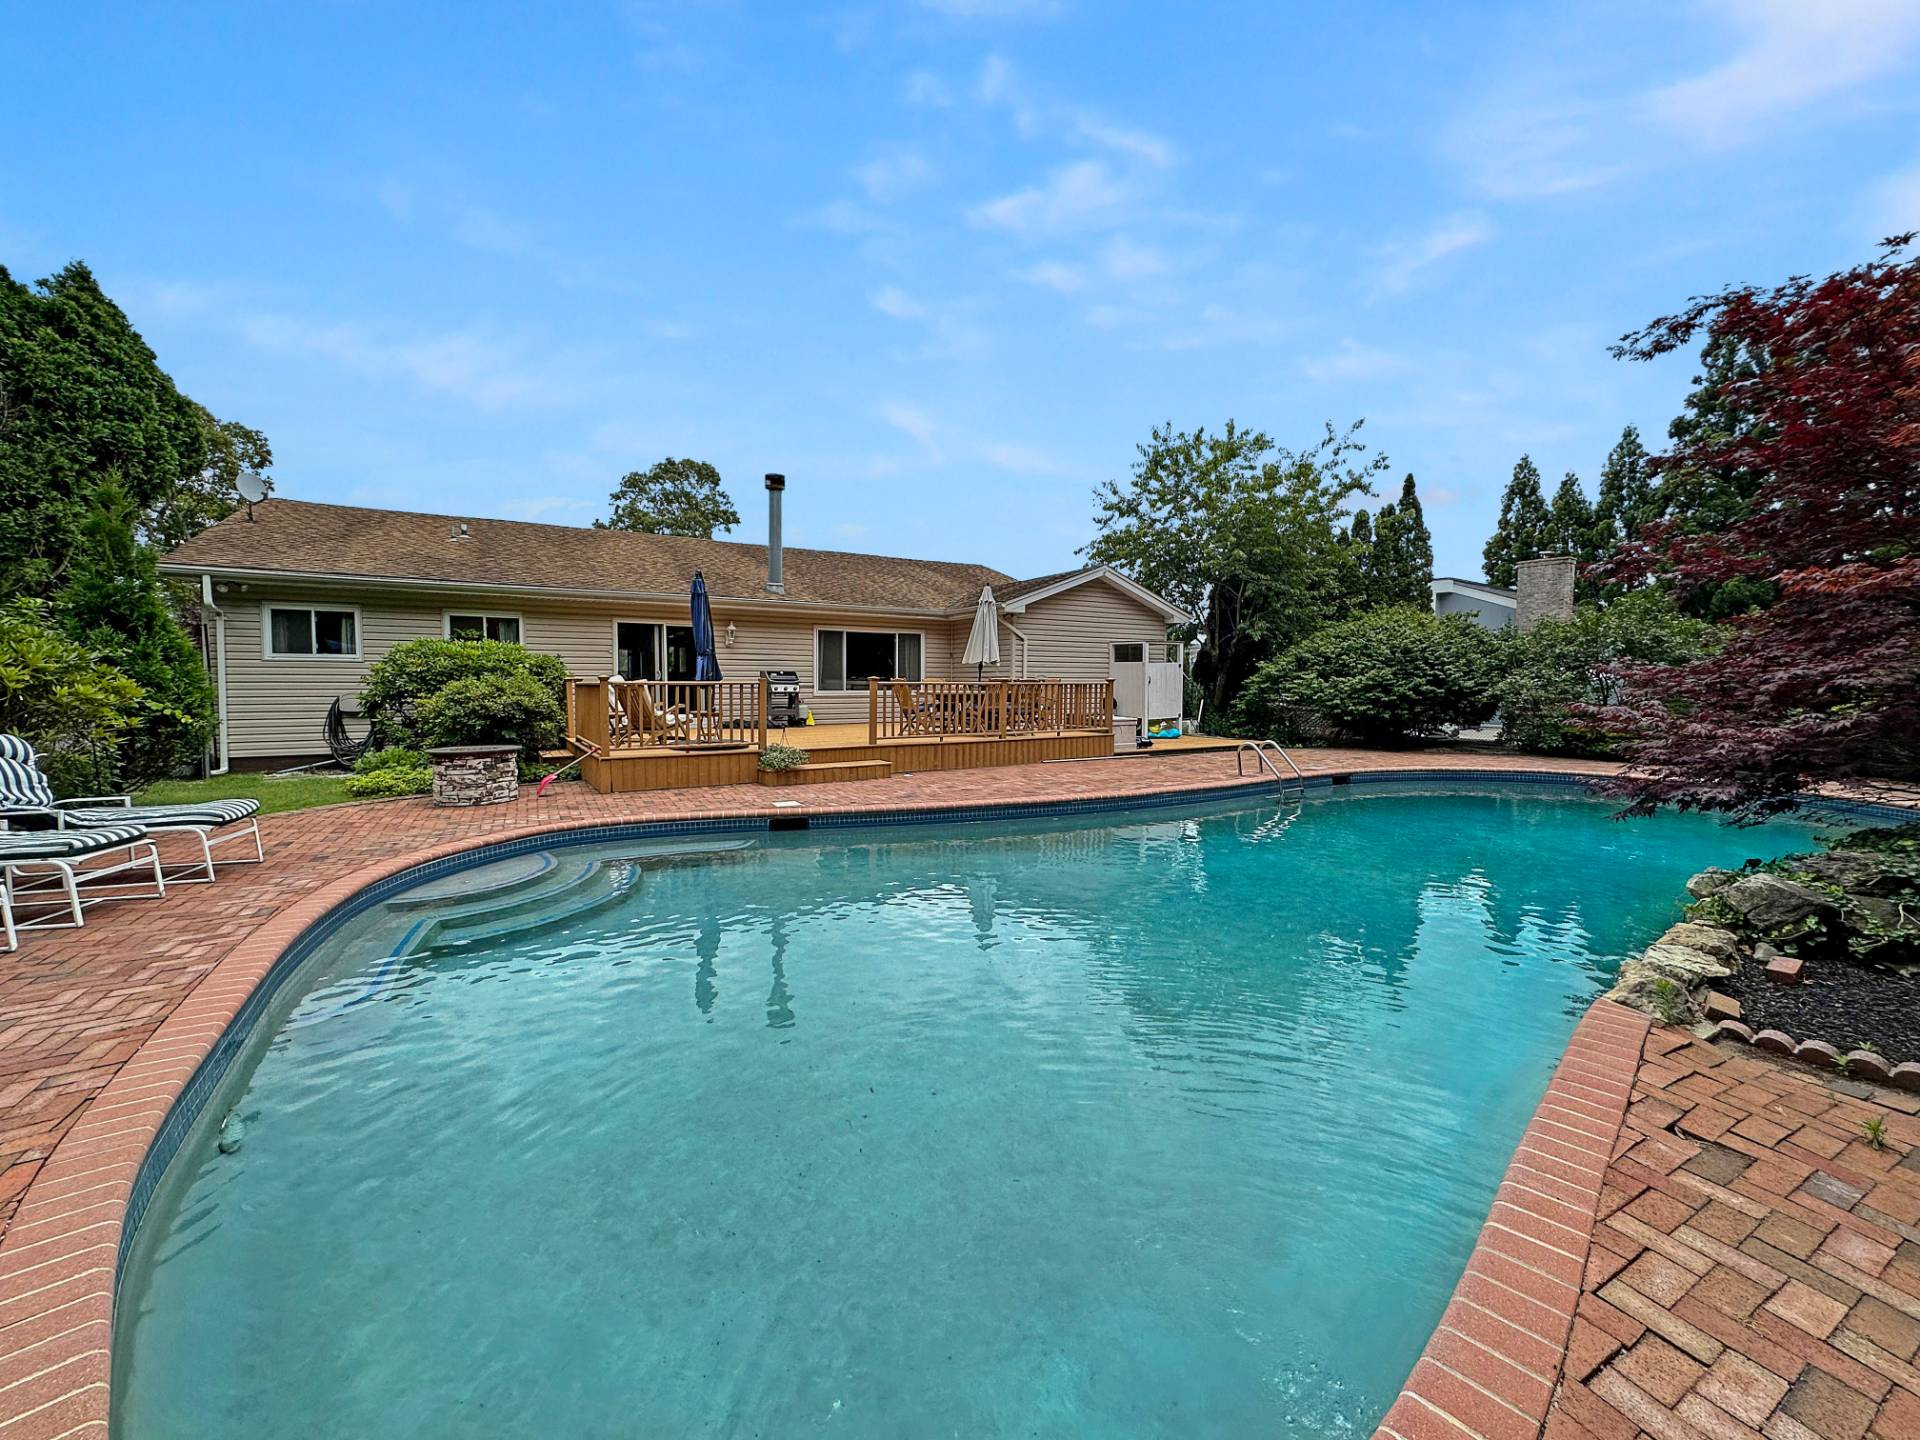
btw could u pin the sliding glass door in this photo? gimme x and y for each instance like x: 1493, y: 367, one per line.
x: 644, y: 650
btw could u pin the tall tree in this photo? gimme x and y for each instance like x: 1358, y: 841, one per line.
x: 1400, y: 569
x: 1570, y: 521
x: 1523, y: 528
x: 1823, y: 684
x: 114, y: 604
x: 1626, y: 494
x: 81, y: 396
x: 211, y: 493
x: 671, y: 497
x: 1240, y: 532
x: 1417, y: 541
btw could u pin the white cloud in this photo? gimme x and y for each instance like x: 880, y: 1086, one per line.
x: 1055, y: 275
x: 1558, y: 128
x: 886, y: 178
x: 912, y: 422
x: 1439, y: 495
x: 892, y: 300
x: 1141, y: 144
x: 1403, y: 262
x: 993, y: 9
x: 1128, y: 261
x: 923, y: 87
x: 1351, y: 360
x: 1083, y: 195
x: 1000, y: 86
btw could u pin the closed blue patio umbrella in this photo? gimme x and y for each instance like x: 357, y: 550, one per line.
x: 706, y: 665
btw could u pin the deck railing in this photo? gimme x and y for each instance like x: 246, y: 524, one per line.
x: 921, y: 709
x: 683, y: 714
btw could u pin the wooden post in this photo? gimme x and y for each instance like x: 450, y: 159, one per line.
x: 573, y: 712
x: 763, y: 712
x: 1111, y: 702
x: 873, y: 710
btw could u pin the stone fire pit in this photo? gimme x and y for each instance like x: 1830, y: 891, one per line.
x: 475, y: 774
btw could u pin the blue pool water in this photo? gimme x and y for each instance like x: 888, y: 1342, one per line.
x: 1172, y: 1123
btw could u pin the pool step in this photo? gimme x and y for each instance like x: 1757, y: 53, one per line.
x: 582, y: 891
x: 482, y: 883
x: 828, y: 771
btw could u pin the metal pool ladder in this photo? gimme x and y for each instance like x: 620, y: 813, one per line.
x: 1262, y: 750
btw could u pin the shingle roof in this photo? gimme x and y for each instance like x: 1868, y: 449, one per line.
x: 299, y: 537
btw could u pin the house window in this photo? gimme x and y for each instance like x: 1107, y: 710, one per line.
x: 295, y: 631
x: 847, y: 659
x: 484, y: 627
x: 1130, y: 654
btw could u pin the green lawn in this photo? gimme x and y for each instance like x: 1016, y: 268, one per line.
x: 291, y: 792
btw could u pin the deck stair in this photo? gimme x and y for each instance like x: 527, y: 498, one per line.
x: 822, y: 772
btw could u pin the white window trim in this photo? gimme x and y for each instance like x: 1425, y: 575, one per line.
x: 446, y: 621
x: 892, y: 630
x: 267, y: 652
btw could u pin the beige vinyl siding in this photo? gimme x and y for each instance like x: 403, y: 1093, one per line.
x: 1070, y: 635
x: 277, y: 706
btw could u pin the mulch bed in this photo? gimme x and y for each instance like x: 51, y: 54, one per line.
x: 1836, y: 1001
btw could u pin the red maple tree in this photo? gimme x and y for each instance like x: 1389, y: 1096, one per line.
x: 1823, y: 683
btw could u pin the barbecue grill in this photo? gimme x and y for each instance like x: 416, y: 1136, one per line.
x: 783, y: 697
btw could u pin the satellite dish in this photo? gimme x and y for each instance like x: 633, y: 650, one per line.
x: 252, y: 487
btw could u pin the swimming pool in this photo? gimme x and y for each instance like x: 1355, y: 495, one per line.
x: 1180, y: 1121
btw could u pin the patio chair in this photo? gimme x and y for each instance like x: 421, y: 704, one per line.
x: 917, y: 717
x: 62, y: 853
x: 24, y: 791
x: 674, y: 723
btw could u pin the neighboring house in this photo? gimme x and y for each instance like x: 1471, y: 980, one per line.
x: 301, y: 598
x: 1489, y: 605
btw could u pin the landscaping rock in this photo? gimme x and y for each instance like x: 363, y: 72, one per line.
x: 1868, y: 1065
x: 1721, y: 1007
x: 1772, y: 904
x: 1859, y: 872
x: 1764, y: 952
x: 1715, y: 940
x: 1655, y: 991
x: 1776, y: 1041
x: 1710, y: 882
x: 1683, y: 963
x: 1816, y: 1052
x: 1785, y: 969
x: 1907, y: 1077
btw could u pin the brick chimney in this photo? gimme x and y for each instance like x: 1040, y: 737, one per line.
x: 1545, y: 590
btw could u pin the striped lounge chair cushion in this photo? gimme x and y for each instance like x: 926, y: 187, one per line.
x: 207, y: 813
x: 19, y: 846
x: 22, y: 786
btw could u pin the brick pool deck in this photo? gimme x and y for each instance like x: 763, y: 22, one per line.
x: 101, y: 1028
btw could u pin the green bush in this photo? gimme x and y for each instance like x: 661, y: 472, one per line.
x: 509, y: 709
x: 1561, y: 663
x: 393, y: 771
x: 401, y: 681
x: 61, y: 698
x: 783, y: 757
x: 1387, y: 676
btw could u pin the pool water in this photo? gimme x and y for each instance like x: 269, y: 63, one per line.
x: 1164, y: 1123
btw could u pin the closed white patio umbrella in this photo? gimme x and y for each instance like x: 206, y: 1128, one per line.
x: 983, y: 641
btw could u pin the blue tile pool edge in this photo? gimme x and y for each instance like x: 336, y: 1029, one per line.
x: 191, y: 1102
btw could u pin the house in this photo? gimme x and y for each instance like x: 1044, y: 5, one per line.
x: 1490, y: 605
x: 301, y: 598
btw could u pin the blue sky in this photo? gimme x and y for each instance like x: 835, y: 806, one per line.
x: 944, y: 263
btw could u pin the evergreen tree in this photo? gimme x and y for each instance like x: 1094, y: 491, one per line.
x: 1360, y: 532
x: 1524, y: 528
x: 1404, y: 573
x: 1570, y: 529
x: 1626, y: 494
x: 114, y: 604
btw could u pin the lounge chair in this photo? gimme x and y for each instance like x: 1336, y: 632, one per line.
x: 673, y: 724
x: 24, y: 791
x: 62, y: 854
x: 917, y: 717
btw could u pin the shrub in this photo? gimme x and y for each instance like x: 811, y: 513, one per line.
x: 393, y: 771
x: 401, y: 681
x: 71, y: 706
x: 783, y: 757
x: 114, y: 604
x: 1562, y: 663
x: 1384, y: 677
x: 507, y: 709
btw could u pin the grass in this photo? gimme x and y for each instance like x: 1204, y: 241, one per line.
x: 292, y: 792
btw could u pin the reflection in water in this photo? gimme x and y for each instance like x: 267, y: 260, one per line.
x: 707, y: 947
x: 780, y: 997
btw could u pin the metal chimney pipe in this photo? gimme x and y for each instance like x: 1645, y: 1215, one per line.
x: 776, y: 558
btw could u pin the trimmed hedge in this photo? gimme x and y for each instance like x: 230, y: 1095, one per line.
x: 399, y: 685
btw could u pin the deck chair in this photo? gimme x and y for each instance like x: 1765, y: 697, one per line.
x: 676, y: 724
x: 917, y: 717
x: 62, y: 855
x: 24, y: 791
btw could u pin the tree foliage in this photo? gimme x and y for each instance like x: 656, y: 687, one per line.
x: 513, y: 708
x: 671, y: 497
x: 1559, y: 665
x: 212, y: 492
x: 114, y: 604
x: 1397, y: 566
x: 1822, y: 458
x: 1383, y: 678
x: 1524, y: 529
x: 1626, y: 495
x: 1239, y: 531
x: 1570, y: 521
x: 72, y: 706
x: 400, y: 683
